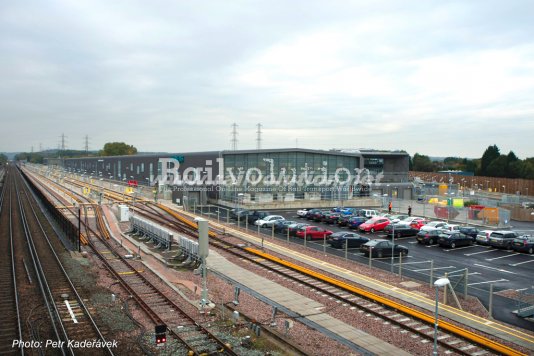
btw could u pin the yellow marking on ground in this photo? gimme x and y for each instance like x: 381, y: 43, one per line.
x: 131, y: 272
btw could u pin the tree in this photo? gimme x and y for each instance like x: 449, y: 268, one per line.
x: 422, y: 163
x: 3, y: 158
x: 118, y: 149
x: 498, y: 167
x: 491, y: 153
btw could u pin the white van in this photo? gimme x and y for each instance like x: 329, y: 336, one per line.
x: 369, y: 213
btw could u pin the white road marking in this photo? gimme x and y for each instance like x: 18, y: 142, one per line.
x: 496, y: 258
x: 520, y: 263
x: 477, y: 253
x: 463, y: 274
x: 493, y: 268
x: 413, y: 263
x: 71, y: 312
x: 435, y: 268
x: 458, y: 248
x: 495, y: 281
x: 520, y: 290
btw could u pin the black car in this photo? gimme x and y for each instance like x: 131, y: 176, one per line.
x: 382, y: 248
x: 293, y: 228
x: 348, y: 239
x: 401, y: 230
x: 523, y: 243
x: 469, y: 231
x: 428, y: 237
x: 454, y: 239
x: 281, y: 225
x: 331, y: 218
x: 239, y: 214
x: 503, y: 239
x: 311, y: 213
x: 355, y: 221
x: 343, y: 220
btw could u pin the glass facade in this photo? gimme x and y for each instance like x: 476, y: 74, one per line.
x: 285, y: 172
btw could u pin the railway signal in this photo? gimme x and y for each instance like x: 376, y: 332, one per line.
x: 161, y: 334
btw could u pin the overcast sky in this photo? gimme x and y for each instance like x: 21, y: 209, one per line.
x: 443, y: 78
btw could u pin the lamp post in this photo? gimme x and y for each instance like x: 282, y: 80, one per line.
x: 442, y: 282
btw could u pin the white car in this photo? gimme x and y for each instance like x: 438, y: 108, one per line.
x: 302, y: 213
x: 268, y: 221
x: 450, y: 227
x: 433, y: 225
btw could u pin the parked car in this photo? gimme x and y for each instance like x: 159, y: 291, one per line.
x: 400, y: 230
x: 374, y: 224
x: 313, y: 232
x: 348, y: 239
x: 311, y: 213
x: 281, y: 225
x: 369, y: 213
x: 382, y: 248
x: 343, y: 220
x: 293, y: 228
x: 483, y: 236
x: 239, y: 213
x: 450, y: 227
x: 396, y: 218
x: 524, y: 243
x: 350, y: 211
x: 470, y: 231
x: 503, y: 239
x: 410, y: 219
x: 268, y: 221
x: 355, y: 221
x: 433, y: 225
x: 454, y: 239
x: 418, y: 224
x: 319, y: 216
x: 428, y: 237
x: 301, y: 213
x: 331, y: 218
x: 257, y: 215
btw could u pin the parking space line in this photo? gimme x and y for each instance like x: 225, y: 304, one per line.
x: 463, y: 274
x: 493, y: 268
x: 435, y: 268
x: 477, y: 253
x: 496, y: 258
x: 520, y: 263
x: 495, y: 281
x: 413, y: 263
x: 458, y: 248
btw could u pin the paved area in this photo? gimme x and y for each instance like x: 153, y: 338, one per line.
x: 489, y: 326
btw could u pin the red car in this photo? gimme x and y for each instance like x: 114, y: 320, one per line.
x: 374, y: 224
x: 313, y: 232
x: 417, y: 224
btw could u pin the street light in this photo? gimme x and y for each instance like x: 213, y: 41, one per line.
x: 442, y: 282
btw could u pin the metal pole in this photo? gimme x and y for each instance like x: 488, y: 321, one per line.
x: 445, y: 290
x: 465, y: 282
x: 324, y: 244
x: 392, y: 248
x: 490, y: 307
x: 435, y: 352
x: 305, y: 238
x: 370, y: 256
x: 288, y: 234
x: 246, y: 222
x: 346, y: 249
x: 239, y: 220
x: 258, y: 230
x: 431, y: 272
x: 400, y: 265
x: 218, y: 215
x: 228, y: 216
x: 272, y: 231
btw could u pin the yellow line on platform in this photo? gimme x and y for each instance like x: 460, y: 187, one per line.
x: 131, y: 272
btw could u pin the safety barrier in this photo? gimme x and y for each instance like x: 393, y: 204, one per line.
x: 159, y: 235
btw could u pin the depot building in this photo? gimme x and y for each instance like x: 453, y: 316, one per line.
x: 257, y: 176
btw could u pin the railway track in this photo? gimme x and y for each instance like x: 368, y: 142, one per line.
x: 69, y: 318
x: 159, y: 308
x: 451, y: 337
x: 10, y: 321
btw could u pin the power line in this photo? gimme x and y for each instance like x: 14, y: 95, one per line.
x: 234, y: 137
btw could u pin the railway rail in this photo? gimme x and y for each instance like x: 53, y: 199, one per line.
x: 452, y: 337
x: 158, y: 307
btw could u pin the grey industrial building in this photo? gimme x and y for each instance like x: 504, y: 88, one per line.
x: 258, y: 175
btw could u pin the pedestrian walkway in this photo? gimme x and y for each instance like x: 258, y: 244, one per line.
x: 485, y: 325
